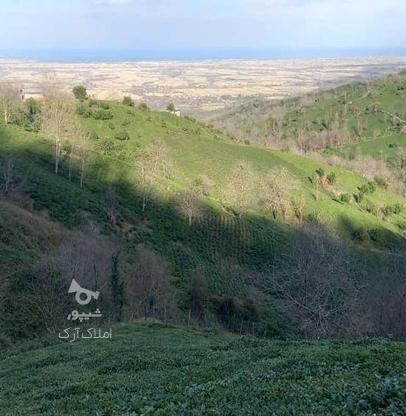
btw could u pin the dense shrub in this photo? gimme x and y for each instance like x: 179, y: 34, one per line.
x: 345, y: 198
x: 103, y: 115
x: 122, y: 135
x: 143, y: 107
x: 80, y: 92
x: 368, y: 188
x: 127, y: 100
x: 84, y: 111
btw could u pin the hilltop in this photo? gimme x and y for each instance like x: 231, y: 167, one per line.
x: 354, y: 126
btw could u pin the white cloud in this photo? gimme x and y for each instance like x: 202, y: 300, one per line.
x: 111, y: 2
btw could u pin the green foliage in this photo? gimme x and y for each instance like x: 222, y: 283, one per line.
x: 127, y: 100
x: 345, y: 198
x: 143, y: 107
x: 80, y: 92
x: 332, y: 178
x: 368, y: 188
x: 145, y: 366
x: 102, y: 115
x: 381, y: 182
x: 84, y: 110
x: 171, y: 107
x: 122, y: 135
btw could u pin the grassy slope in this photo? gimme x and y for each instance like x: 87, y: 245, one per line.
x: 353, y: 103
x: 157, y: 370
x: 196, y: 149
x: 215, y: 243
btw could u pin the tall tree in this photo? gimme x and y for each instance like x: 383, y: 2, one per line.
x: 151, y: 165
x: 10, y: 98
x: 56, y: 116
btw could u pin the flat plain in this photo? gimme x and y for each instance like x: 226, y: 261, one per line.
x: 196, y: 86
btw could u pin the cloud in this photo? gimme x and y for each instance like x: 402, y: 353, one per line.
x: 111, y: 2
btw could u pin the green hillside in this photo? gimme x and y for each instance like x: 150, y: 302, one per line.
x: 324, y: 118
x: 158, y: 370
x: 213, y: 220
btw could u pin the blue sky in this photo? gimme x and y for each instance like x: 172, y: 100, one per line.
x: 193, y: 25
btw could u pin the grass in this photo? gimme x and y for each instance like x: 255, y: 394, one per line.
x: 225, y: 246
x: 386, y: 147
x: 158, y: 370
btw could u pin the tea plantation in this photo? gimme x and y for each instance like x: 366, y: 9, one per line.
x: 152, y: 369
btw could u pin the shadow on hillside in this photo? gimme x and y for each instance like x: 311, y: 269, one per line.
x: 230, y: 251
x: 374, y: 237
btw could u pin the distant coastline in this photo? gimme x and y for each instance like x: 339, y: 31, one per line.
x: 115, y: 56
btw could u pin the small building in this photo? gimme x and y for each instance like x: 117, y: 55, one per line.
x: 176, y: 112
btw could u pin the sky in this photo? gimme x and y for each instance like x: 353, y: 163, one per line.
x: 202, y: 27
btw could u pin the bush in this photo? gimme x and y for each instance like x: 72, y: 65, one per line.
x: 80, y: 92
x: 171, y: 107
x: 103, y: 115
x: 359, y: 197
x: 368, y: 188
x: 143, y: 107
x: 93, y: 135
x: 392, y: 209
x: 127, y: 100
x: 345, y: 198
x: 122, y: 135
x: 84, y: 111
x: 381, y: 182
x: 331, y: 178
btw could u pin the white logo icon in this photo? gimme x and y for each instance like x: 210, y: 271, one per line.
x: 80, y: 291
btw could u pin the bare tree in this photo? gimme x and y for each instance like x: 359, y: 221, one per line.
x: 10, y: 98
x: 277, y: 187
x: 148, y: 289
x: 189, y: 203
x: 240, y: 189
x: 84, y: 256
x: 77, y: 137
x: 313, y: 285
x: 56, y: 114
x: 153, y: 164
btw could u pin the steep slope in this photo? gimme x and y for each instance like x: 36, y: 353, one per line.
x: 219, y: 246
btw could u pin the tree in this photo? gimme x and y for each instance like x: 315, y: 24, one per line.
x: 171, y: 107
x: 311, y: 283
x: 277, y: 187
x: 8, y: 174
x: 127, y: 100
x: 117, y: 290
x: 77, y: 137
x: 151, y: 165
x: 241, y: 186
x: 189, y: 203
x: 56, y: 116
x: 148, y: 287
x: 80, y: 92
x: 10, y: 98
